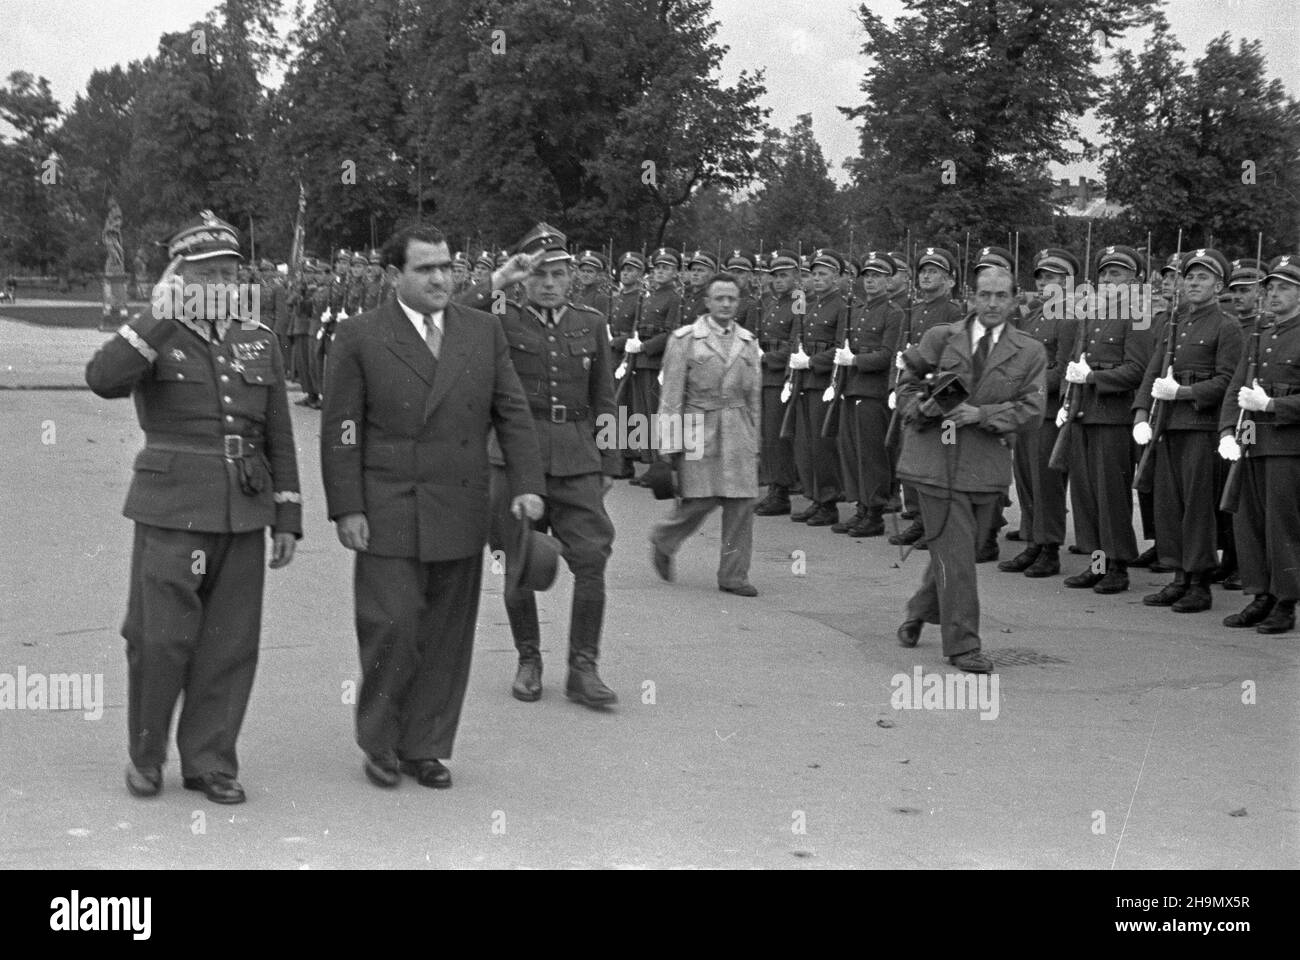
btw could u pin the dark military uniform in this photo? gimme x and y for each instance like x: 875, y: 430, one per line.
x: 776, y: 467
x: 661, y: 314
x: 1188, y: 479
x: 871, y: 329
x: 694, y: 304
x: 627, y: 310
x: 817, y: 458
x: 218, y: 467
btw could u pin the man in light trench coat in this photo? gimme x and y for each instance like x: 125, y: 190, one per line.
x: 709, y: 411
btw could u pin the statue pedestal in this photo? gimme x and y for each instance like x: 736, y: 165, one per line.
x: 115, y: 312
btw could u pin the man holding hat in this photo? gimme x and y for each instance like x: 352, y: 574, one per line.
x: 1185, y: 494
x: 218, y: 468
x: 1267, y: 523
x: 779, y: 333
x: 561, y: 353
x: 415, y: 387
x: 871, y: 331
x: 936, y: 272
x: 1115, y: 357
x: 817, y: 457
x: 1040, y: 490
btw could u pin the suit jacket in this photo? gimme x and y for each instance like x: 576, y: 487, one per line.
x: 1011, y: 396
x: 404, y: 438
x: 721, y: 388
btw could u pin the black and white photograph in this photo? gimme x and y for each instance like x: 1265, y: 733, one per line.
x: 639, y: 435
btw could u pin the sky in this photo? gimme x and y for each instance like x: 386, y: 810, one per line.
x: 810, y: 49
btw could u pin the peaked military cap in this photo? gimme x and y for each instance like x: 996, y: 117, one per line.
x: 203, y: 238
x: 546, y: 240
x: 878, y: 262
x: 1057, y: 260
x: 591, y: 258
x: 1173, y: 263
x: 1211, y: 259
x: 1245, y: 272
x: 900, y: 259
x: 485, y: 259
x: 827, y: 258
x: 783, y: 260
x: 704, y: 257
x: 1285, y: 267
x: 666, y: 255
x: 937, y: 257
x: 632, y: 259
x: 741, y: 260
x: 1119, y: 255
x: 995, y: 257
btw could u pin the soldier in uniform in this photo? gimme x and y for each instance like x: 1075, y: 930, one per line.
x: 1267, y: 523
x: 936, y: 273
x: 779, y: 327
x: 741, y: 266
x: 1115, y: 358
x: 372, y: 287
x: 1040, y: 490
x: 217, y: 469
x: 459, y: 272
x: 699, y: 268
x: 561, y: 353
x: 1206, y: 348
x: 627, y: 300
x: 817, y: 458
x: 661, y: 314
x: 805, y: 274
x: 358, y: 278
x: 484, y: 264
x: 871, y: 331
x: 588, y: 291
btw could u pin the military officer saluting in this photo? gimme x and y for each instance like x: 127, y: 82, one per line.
x: 561, y: 353
x: 1267, y: 523
x: 217, y: 469
x: 778, y: 333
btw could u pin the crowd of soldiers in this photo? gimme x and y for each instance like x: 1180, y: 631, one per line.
x: 836, y: 331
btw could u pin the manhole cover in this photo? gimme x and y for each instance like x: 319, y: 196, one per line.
x: 1022, y: 657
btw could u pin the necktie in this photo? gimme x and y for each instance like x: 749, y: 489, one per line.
x: 432, y: 336
x: 981, y: 355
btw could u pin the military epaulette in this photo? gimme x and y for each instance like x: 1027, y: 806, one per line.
x: 586, y: 307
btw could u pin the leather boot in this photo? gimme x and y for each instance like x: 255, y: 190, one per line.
x: 1281, y: 620
x: 1170, y: 593
x: 586, y: 619
x: 803, y: 516
x: 825, y: 515
x: 1115, y: 580
x: 775, y: 504
x: 844, y: 526
x: 1022, y: 561
x: 872, y: 524
x: 528, y: 678
x: 1084, y: 579
x: 1145, y: 558
x: 909, y: 536
x: 1048, y: 563
x: 987, y: 551
x: 1197, y: 599
x: 1254, y: 613
x: 522, y: 613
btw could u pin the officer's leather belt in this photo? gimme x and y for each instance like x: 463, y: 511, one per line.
x: 1103, y: 366
x: 1187, y: 377
x: 559, y: 413
x: 768, y: 346
x: 232, y: 446
x: 716, y: 404
x: 817, y: 346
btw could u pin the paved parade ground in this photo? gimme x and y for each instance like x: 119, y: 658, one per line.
x: 749, y: 733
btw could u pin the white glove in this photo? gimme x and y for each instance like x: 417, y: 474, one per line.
x: 325, y: 315
x: 343, y: 315
x: 800, y: 361
x: 898, y: 361
x: 1252, y: 398
x: 893, y: 400
x: 844, y: 357
x: 1142, y: 433
x: 633, y: 345
x: 786, y: 390
x: 828, y: 394
x: 1061, y: 416
x: 1077, y: 372
x: 1165, y: 388
x: 620, y: 371
x: 1229, y: 449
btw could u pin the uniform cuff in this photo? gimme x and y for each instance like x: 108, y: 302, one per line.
x: 288, y: 518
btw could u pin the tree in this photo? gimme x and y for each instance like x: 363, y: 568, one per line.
x: 798, y: 200
x: 35, y: 219
x: 966, y: 104
x: 1214, y: 150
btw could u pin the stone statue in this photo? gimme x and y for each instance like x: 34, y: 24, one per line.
x: 114, y: 263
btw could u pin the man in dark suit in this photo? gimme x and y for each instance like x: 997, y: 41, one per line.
x: 415, y: 386
x: 960, y: 462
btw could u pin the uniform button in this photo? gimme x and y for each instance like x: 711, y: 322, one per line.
x: 221, y: 359
x: 227, y: 399
x: 180, y: 376
x: 224, y: 378
x: 229, y: 418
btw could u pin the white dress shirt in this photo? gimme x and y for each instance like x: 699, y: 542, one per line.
x: 417, y: 319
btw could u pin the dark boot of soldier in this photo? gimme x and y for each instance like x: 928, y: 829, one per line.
x: 1254, y: 613
x: 1048, y: 563
x: 775, y: 504
x: 871, y: 524
x: 1197, y: 599
x: 1170, y: 593
x: 844, y: 526
x: 1022, y: 561
x: 1115, y: 580
x: 1280, y: 620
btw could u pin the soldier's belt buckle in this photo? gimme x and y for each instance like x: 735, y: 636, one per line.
x: 559, y: 413
x: 232, y: 445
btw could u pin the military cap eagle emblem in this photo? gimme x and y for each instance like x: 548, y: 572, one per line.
x: 929, y: 251
x: 209, y: 218
x: 1200, y: 252
x: 1110, y: 250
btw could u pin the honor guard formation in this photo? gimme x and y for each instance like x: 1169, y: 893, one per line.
x: 488, y: 397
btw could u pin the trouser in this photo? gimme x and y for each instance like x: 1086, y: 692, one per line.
x: 864, y: 464
x: 1039, y: 488
x: 816, y: 458
x: 415, y: 630
x: 737, y: 533
x: 644, y: 391
x: 1267, y: 527
x: 1186, y: 496
x: 776, y: 454
x: 305, y: 366
x: 193, y: 622
x: 1101, y: 490
x: 575, y: 515
x: 948, y: 594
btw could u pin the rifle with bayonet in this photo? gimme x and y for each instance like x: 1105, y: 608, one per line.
x: 839, y: 379
x: 1243, y: 434
x: 905, y: 335
x: 1072, y: 394
x: 1143, y: 476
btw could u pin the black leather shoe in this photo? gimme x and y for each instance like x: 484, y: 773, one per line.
x: 871, y: 525
x: 218, y: 787
x: 1115, y: 580
x: 1014, y: 536
x: 586, y: 688
x: 1048, y: 563
x: 1022, y: 561
x: 908, y: 514
x: 1218, y: 574
x: 1145, y: 558
x: 146, y: 782
x: 528, y: 681
x: 844, y: 526
x: 1160, y: 567
x: 972, y: 662
x: 744, y: 590
x: 825, y: 515
x: 1084, y: 581
x: 909, y: 536
x: 627, y: 473
x: 987, y: 551
x: 382, y: 771
x: 1168, y: 595
x: 1281, y: 620
x: 1254, y: 613
x: 773, y: 505
x: 803, y: 516
x: 428, y: 773
x: 1077, y: 550
x: 1196, y: 600
x: 909, y: 633
x: 1232, y: 581
x: 663, y: 563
